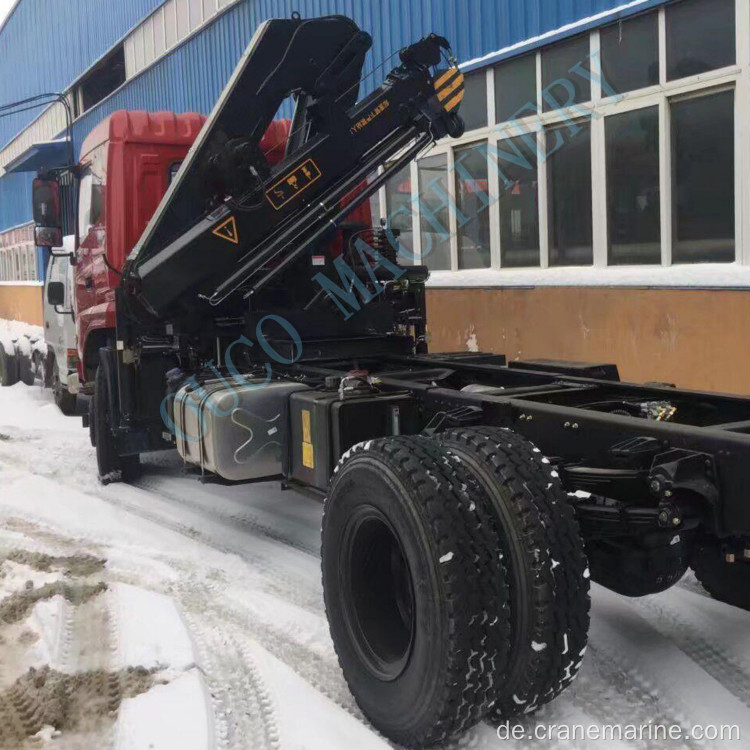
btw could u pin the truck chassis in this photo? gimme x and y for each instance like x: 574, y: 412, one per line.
x: 627, y: 485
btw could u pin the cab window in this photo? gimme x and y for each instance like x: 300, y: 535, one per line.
x: 91, y: 204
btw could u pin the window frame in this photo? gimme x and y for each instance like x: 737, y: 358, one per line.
x: 736, y: 77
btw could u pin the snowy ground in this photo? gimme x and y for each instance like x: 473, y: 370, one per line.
x: 214, y: 594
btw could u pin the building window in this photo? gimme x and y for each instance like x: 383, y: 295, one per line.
x: 31, y: 262
x: 569, y: 193
x: 473, y: 108
x: 398, y: 210
x: 633, y: 208
x: 18, y: 263
x: 700, y: 37
x: 600, y: 166
x: 630, y: 54
x: 703, y: 179
x: 196, y: 13
x: 515, y: 89
x: 209, y: 8
x: 518, y: 202
x: 434, y: 226
x: 106, y: 76
x: 472, y: 200
x: 562, y: 86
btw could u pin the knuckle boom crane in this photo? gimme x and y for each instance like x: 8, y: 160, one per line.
x: 231, y: 222
x: 455, y: 571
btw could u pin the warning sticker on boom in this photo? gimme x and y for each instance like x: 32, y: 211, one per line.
x: 227, y: 230
x: 291, y: 185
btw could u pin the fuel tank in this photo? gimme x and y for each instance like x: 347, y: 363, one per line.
x: 237, y: 431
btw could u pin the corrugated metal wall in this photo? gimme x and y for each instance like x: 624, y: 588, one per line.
x: 48, y: 44
x: 15, y: 200
x: 191, y: 77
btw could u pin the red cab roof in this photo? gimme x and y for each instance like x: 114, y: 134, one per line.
x: 145, y: 127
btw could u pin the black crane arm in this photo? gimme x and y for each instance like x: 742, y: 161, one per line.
x: 231, y: 221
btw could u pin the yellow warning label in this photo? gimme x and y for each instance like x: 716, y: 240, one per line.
x: 291, y: 185
x: 308, y: 455
x: 306, y: 432
x: 227, y: 230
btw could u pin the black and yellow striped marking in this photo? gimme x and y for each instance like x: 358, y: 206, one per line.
x: 450, y: 88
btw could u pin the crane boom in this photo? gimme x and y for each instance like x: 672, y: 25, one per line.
x: 232, y: 221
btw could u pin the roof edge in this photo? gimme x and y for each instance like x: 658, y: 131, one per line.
x: 10, y: 14
x: 632, y: 8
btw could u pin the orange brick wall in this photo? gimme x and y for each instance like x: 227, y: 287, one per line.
x: 21, y: 302
x: 693, y: 338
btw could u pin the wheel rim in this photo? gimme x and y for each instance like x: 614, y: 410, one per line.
x: 379, y: 602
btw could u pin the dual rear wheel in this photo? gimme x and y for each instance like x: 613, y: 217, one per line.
x: 455, y: 581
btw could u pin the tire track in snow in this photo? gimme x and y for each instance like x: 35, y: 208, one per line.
x: 320, y: 671
x: 124, y: 497
x: 626, y: 679
x: 683, y: 689
x: 612, y: 692
x: 717, y: 662
x: 244, y: 520
x: 243, y: 709
x: 287, y: 586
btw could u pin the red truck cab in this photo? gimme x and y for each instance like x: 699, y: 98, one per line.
x: 127, y: 163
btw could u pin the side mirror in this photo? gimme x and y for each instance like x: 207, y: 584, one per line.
x: 55, y: 293
x: 46, y: 210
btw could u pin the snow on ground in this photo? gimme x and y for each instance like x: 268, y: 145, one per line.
x: 214, y: 591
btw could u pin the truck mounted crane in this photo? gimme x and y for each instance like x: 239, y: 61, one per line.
x: 468, y: 501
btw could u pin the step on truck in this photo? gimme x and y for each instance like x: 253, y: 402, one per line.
x: 234, y: 301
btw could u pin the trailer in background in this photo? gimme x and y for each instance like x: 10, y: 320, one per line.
x: 49, y: 358
x: 59, y: 366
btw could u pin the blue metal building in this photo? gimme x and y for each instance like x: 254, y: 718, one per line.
x: 48, y: 46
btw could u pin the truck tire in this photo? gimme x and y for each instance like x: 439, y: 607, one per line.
x: 8, y: 367
x: 112, y: 467
x: 25, y: 369
x: 65, y: 400
x: 543, y: 549
x: 414, y: 589
x: 92, y: 422
x: 726, y: 582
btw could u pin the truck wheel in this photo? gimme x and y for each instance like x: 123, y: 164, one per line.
x: 25, y: 369
x: 726, y: 582
x: 414, y: 589
x: 542, y: 546
x: 92, y: 423
x: 65, y: 400
x: 112, y: 467
x: 8, y: 367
